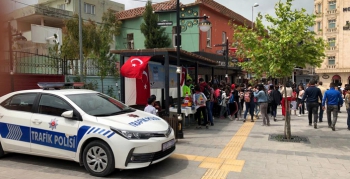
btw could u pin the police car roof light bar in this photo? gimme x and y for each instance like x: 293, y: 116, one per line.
x: 54, y: 85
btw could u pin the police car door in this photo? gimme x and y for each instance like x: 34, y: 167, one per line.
x: 15, y: 114
x: 52, y: 134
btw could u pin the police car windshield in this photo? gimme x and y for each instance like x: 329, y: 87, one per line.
x: 97, y: 104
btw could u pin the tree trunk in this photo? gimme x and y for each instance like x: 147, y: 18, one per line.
x: 102, y: 84
x: 287, y: 128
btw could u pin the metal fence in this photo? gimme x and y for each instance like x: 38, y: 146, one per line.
x: 32, y: 63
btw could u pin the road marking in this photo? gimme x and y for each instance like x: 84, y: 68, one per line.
x: 227, y: 160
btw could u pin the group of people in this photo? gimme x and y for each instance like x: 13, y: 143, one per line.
x: 224, y: 100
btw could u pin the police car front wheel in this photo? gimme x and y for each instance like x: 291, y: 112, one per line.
x: 2, y: 153
x: 98, y: 158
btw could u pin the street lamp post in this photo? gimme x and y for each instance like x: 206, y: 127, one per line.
x: 204, y: 26
x: 255, y: 5
x: 226, y: 55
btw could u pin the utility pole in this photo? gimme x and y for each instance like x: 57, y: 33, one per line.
x: 81, y: 44
x: 11, y: 57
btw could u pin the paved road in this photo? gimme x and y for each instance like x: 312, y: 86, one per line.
x: 230, y: 149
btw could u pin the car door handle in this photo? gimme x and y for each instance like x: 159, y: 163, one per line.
x: 37, y: 121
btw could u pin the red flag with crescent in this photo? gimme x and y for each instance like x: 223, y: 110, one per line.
x: 135, y: 66
x: 143, y: 88
x: 183, y: 76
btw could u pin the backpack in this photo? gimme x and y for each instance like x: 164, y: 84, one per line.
x: 232, y: 98
x: 219, y: 98
x: 270, y: 97
x: 247, y: 96
x: 207, y: 92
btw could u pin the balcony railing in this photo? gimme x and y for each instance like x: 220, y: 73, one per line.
x: 332, y: 48
x: 333, y: 11
x: 331, y: 66
x: 53, y: 12
x: 331, y: 30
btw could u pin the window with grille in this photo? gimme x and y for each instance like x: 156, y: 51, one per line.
x: 331, y: 24
x: 318, y: 26
x: 332, y: 5
x: 209, y: 38
x: 319, y: 10
x: 89, y: 8
x: 331, y: 42
x: 331, y: 60
x: 130, y: 39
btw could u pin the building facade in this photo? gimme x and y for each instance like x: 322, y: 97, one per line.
x: 192, y: 39
x: 52, y: 13
x: 333, y: 24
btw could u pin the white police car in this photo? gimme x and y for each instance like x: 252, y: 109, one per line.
x: 85, y: 126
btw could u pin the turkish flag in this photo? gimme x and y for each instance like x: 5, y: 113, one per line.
x: 183, y: 76
x: 134, y: 66
x: 143, y: 90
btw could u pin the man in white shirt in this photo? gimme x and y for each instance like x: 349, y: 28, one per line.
x: 150, y: 108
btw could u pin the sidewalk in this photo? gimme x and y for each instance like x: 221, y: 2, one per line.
x: 326, y: 156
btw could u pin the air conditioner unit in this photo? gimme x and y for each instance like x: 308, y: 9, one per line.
x: 67, y: 1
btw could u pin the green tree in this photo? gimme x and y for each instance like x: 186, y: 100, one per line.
x: 97, y: 40
x: 278, y: 48
x: 154, y: 34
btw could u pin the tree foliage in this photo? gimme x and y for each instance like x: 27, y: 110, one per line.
x: 97, y: 39
x: 278, y: 48
x: 154, y: 34
x: 275, y: 50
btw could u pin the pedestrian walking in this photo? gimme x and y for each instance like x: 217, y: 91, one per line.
x: 288, y: 89
x: 256, y: 106
x: 347, y: 104
x: 312, y: 95
x: 338, y: 89
x: 323, y: 90
x: 300, y: 96
x: 223, y: 104
x: 275, y: 97
x: 208, y: 92
x: 333, y: 99
x: 249, y: 103
x: 294, y: 101
x: 199, y: 101
x: 262, y: 98
x: 233, y: 105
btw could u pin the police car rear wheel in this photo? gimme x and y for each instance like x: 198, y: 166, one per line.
x: 98, y: 159
x: 2, y: 153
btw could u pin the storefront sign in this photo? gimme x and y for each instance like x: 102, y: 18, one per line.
x: 325, y: 76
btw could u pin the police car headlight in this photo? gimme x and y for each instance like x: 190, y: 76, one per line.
x: 132, y: 134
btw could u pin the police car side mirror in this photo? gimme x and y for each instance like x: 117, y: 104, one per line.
x: 68, y: 114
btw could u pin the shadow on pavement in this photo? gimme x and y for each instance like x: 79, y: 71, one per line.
x: 165, y: 168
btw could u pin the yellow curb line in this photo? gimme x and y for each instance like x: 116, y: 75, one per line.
x: 218, y: 168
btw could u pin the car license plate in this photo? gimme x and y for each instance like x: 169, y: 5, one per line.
x: 168, y: 145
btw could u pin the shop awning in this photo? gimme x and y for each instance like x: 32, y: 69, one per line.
x: 336, y: 77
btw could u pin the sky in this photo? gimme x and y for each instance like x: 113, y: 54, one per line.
x: 242, y: 7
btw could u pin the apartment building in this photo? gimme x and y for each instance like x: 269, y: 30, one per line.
x: 52, y: 13
x: 333, y: 24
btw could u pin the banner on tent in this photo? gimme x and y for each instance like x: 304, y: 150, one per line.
x: 157, y: 76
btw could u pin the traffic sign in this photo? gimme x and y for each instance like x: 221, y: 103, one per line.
x: 219, y: 51
x: 165, y: 23
x: 234, y: 60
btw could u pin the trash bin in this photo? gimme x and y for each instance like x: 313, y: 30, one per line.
x: 174, y: 123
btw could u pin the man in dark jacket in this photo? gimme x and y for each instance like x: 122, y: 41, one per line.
x: 333, y: 98
x: 276, y: 100
x: 312, y: 95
